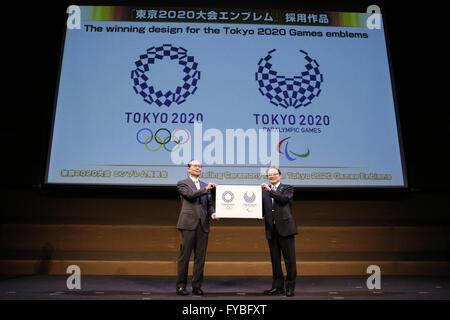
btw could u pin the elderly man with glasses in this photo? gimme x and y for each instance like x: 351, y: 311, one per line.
x: 280, y: 231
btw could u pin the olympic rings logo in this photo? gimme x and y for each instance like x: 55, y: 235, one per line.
x: 162, y: 137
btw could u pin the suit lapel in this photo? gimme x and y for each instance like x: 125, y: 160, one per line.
x: 279, y: 189
x: 267, y: 199
x: 191, y: 184
x: 194, y: 188
x: 202, y: 198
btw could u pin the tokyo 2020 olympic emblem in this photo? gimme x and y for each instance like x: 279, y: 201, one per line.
x: 227, y: 196
x: 298, y: 91
x: 142, y: 74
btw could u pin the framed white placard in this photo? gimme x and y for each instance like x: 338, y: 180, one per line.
x: 239, y: 201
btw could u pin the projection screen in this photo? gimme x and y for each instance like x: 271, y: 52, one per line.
x: 143, y: 90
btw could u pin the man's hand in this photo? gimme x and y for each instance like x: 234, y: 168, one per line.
x: 265, y: 186
x: 211, y: 185
x: 213, y: 216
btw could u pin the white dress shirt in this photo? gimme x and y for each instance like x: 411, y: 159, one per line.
x: 196, y: 182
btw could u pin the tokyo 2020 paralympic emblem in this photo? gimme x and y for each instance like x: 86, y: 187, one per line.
x: 298, y: 91
x: 142, y: 74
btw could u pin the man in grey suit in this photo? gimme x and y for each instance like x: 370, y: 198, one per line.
x: 280, y: 232
x: 193, y: 223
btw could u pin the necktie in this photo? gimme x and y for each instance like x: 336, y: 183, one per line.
x: 197, y: 185
x: 274, y: 189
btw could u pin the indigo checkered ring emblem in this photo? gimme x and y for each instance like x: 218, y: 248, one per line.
x: 298, y: 91
x: 149, y: 93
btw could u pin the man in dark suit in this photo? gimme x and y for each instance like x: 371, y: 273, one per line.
x: 280, y: 232
x: 193, y: 223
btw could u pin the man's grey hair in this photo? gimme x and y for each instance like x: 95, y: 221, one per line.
x: 190, y: 162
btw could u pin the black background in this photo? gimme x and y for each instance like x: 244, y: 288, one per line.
x: 32, y: 39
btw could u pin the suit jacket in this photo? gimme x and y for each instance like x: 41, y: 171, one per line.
x: 196, y: 205
x: 280, y: 212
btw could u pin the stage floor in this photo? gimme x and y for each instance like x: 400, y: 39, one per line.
x: 53, y: 287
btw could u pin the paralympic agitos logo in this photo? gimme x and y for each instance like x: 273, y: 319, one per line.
x: 290, y: 155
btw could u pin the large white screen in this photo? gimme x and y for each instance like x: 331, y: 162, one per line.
x: 144, y: 90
